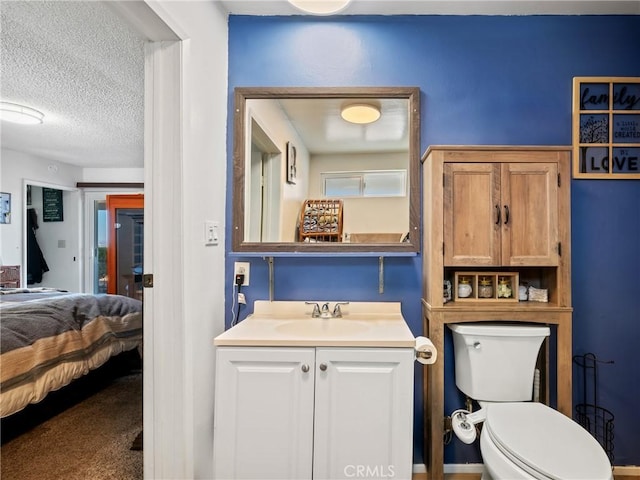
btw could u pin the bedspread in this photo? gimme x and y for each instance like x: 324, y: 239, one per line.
x: 49, y: 338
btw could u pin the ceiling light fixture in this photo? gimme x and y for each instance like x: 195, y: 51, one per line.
x: 361, y: 113
x: 12, y: 112
x: 320, y: 7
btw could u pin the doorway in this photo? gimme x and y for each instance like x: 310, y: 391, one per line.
x: 125, y: 245
x: 262, y: 219
x: 51, y: 236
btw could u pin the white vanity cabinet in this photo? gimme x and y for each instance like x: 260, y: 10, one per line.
x: 313, y: 412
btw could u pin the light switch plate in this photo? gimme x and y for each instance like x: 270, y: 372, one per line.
x: 211, y: 232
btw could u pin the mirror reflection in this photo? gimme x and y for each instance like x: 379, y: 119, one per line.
x: 309, y: 178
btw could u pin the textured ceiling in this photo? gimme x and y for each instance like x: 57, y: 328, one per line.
x: 83, y: 67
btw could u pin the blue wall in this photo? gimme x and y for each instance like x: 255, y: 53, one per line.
x: 484, y: 80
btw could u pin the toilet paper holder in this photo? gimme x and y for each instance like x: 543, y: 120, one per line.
x: 424, y: 355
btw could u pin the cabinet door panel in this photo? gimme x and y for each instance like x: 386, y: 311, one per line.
x: 472, y: 214
x: 263, y: 424
x: 530, y: 192
x: 364, y: 419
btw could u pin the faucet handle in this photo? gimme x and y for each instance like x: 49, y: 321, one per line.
x: 337, y: 312
x: 316, y: 309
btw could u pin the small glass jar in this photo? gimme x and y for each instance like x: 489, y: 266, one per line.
x: 464, y: 287
x: 504, y: 287
x: 485, y: 288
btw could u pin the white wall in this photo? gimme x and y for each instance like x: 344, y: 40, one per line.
x: 204, y: 71
x: 17, y: 167
x: 135, y: 175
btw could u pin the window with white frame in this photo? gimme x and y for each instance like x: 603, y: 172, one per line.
x: 370, y: 183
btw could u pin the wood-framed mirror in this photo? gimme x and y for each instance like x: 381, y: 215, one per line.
x: 307, y: 180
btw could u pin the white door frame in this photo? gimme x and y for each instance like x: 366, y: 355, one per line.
x: 167, y: 448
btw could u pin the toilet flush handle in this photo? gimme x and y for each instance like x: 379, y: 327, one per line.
x: 477, y: 345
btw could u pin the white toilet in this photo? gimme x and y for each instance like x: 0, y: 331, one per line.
x: 494, y: 365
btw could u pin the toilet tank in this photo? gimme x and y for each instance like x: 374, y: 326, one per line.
x: 496, y: 362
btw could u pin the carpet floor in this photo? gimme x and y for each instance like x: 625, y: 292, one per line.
x: 89, y: 440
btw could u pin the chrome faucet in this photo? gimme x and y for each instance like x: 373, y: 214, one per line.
x: 324, y: 312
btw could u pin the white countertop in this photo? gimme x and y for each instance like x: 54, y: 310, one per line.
x: 289, y: 324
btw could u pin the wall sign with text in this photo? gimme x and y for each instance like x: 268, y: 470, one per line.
x: 606, y: 127
x: 52, y: 207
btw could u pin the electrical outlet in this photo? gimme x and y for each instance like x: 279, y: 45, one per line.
x: 243, y: 269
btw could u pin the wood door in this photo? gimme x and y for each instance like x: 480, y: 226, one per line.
x: 263, y: 421
x: 529, y: 197
x: 125, y: 240
x: 472, y: 212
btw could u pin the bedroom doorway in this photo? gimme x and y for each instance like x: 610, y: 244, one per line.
x: 125, y: 242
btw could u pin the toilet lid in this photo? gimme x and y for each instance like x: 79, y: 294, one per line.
x: 542, y: 440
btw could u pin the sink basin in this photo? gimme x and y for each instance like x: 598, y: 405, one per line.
x: 328, y: 327
x: 290, y: 324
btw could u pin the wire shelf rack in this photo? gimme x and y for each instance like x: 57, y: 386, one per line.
x: 598, y: 421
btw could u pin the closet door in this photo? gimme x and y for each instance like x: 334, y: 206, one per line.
x: 125, y: 237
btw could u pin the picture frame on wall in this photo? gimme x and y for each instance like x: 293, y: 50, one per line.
x: 5, y: 208
x: 606, y: 128
x: 291, y: 163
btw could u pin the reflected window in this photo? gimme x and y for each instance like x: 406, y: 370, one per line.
x: 379, y: 183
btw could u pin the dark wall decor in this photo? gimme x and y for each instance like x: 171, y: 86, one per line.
x: 52, y: 209
x: 606, y: 127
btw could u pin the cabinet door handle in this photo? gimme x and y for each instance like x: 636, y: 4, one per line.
x: 506, y: 214
x: 497, y: 214
x: 305, y: 368
x: 323, y: 367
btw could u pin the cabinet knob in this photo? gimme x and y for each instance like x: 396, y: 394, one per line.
x: 323, y: 367
x: 305, y: 368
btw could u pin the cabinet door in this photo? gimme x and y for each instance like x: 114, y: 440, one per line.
x: 364, y: 413
x: 263, y: 424
x: 529, y: 194
x: 472, y: 214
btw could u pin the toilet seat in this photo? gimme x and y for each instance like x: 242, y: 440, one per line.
x: 545, y: 443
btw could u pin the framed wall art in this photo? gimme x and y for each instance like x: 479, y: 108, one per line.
x: 606, y: 127
x: 5, y: 207
x: 52, y: 206
x: 291, y: 163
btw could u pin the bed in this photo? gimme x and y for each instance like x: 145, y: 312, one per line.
x: 48, y: 338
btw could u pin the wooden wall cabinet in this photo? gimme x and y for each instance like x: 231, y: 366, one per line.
x: 500, y: 214
x: 495, y: 209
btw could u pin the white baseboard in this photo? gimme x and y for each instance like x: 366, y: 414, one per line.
x: 451, y: 468
x: 463, y: 468
x: 630, y: 470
